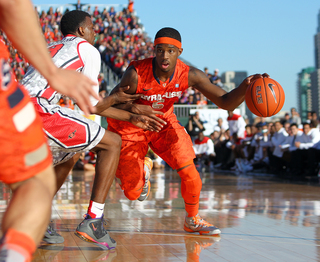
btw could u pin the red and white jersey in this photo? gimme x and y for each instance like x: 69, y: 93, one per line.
x: 205, y: 146
x: 237, y: 125
x: 70, y: 53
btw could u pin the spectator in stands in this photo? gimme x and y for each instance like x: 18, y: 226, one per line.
x: 314, y: 117
x: 278, y: 138
x: 191, y: 100
x: 112, y: 12
x: 215, y: 79
x: 307, y: 140
x: 206, y: 71
x: 215, y: 136
x: 204, y: 150
x: 286, y: 126
x: 130, y: 6
x: 202, y: 100
x: 289, y: 147
x: 295, y: 117
x: 223, y: 149
x: 313, y: 160
x: 96, y: 11
x: 221, y: 126
x: 194, y: 126
x: 103, y: 92
x: 286, y: 118
x: 78, y: 5
x: 261, y: 143
x: 237, y: 126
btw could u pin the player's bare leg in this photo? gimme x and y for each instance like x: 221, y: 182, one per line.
x: 64, y: 169
x: 91, y: 229
x: 35, y: 194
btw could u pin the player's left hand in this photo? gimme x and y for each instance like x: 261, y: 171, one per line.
x: 145, y: 123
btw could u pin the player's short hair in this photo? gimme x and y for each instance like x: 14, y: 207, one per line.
x: 168, y: 32
x: 71, y: 21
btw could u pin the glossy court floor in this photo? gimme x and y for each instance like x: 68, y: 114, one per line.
x: 262, y: 219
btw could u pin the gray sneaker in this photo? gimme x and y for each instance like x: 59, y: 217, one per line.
x: 147, y: 185
x: 52, y: 237
x: 93, y: 231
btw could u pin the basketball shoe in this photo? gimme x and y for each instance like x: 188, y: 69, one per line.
x: 93, y: 231
x: 52, y: 237
x: 198, y: 224
x: 146, y: 188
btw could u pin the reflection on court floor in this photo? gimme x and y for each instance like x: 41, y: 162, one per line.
x: 261, y: 219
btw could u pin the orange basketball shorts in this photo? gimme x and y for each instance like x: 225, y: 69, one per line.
x: 172, y: 144
x: 23, y: 145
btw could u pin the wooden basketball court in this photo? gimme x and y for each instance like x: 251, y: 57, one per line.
x: 261, y: 218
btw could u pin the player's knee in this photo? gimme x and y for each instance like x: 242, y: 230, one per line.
x: 110, y: 141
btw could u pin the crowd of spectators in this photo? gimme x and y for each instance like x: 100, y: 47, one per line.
x: 286, y: 147
x: 120, y: 38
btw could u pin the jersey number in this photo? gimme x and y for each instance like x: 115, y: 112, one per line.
x: 158, y: 105
x: 55, y: 49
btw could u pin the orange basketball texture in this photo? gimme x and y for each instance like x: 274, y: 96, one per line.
x: 265, y: 97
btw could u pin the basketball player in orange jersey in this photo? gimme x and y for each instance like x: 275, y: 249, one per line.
x: 25, y: 163
x: 162, y: 80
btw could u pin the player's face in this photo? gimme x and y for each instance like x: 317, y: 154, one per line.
x: 89, y: 33
x: 166, y: 56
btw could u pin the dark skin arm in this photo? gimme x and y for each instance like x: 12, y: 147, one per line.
x: 130, y: 79
x: 143, y: 122
x: 227, y: 101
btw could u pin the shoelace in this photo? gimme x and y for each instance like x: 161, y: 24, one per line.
x: 200, y: 221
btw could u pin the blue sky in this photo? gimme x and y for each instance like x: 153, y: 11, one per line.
x: 256, y: 36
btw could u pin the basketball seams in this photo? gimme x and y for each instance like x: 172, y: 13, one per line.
x: 279, y: 98
x: 266, y: 96
x: 253, y: 100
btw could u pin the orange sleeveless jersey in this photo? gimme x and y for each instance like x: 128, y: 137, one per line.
x: 160, y: 96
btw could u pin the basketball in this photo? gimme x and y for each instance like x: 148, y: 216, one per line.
x: 265, y: 97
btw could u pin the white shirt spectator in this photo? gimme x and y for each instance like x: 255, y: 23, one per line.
x: 310, y: 139
x: 205, y: 146
x: 290, y: 140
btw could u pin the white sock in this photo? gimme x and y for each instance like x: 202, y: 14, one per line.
x: 97, y: 209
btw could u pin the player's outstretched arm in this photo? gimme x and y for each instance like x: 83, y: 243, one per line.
x: 19, y: 21
x: 116, y: 98
x: 227, y: 101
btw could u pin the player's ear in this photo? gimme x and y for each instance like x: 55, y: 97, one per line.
x: 81, y: 30
x: 180, y: 51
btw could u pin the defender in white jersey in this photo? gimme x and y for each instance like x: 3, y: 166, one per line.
x: 69, y: 133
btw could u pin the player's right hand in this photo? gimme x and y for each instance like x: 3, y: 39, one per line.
x: 76, y: 86
x: 148, y: 111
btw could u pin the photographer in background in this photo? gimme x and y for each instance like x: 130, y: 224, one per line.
x: 194, y: 126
